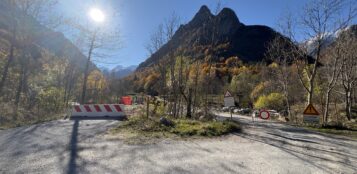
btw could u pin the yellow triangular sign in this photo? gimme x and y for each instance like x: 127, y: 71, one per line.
x: 310, y: 110
x: 227, y: 94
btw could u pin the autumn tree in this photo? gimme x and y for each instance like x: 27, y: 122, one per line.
x: 22, y: 11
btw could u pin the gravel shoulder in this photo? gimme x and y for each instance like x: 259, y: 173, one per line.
x: 67, y: 146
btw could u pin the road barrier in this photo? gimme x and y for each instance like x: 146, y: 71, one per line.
x: 98, y: 110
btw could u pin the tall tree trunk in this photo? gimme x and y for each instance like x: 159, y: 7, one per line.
x: 348, y: 103
x: 326, y: 108
x: 195, y: 89
x: 208, y: 87
x: 173, y: 86
x: 86, y: 73
x: 6, y: 68
x: 20, y: 86
x: 189, y: 104
x: 313, y: 73
x: 288, y: 104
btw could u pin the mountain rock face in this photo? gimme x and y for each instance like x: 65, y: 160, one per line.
x: 223, y: 32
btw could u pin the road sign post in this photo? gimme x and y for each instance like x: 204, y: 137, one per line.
x: 229, y: 102
x: 228, y: 99
x: 231, y: 111
x: 311, y: 115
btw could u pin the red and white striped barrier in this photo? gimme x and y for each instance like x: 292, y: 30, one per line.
x: 98, y: 110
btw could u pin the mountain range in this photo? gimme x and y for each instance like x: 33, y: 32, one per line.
x: 118, y: 71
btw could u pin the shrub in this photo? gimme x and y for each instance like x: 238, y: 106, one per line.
x: 271, y: 101
x: 181, y: 127
x: 209, y: 128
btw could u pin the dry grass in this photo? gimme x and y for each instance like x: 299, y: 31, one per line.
x: 143, y: 130
x: 9, y: 119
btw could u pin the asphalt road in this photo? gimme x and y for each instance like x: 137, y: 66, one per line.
x: 67, y: 146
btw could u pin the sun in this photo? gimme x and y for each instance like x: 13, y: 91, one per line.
x: 96, y: 15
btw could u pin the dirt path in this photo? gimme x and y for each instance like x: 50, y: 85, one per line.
x: 264, y: 147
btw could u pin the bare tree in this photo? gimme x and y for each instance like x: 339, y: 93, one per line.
x: 96, y: 40
x: 319, y: 18
x: 157, y: 40
x: 279, y: 51
x: 331, y: 71
x: 171, y: 25
x: 10, y: 58
x: 348, y: 52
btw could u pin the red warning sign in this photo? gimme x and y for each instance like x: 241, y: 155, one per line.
x: 310, y: 110
x: 228, y: 94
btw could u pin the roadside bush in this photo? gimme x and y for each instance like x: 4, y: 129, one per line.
x: 271, y: 101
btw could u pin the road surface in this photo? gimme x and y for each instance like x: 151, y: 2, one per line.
x: 66, y: 146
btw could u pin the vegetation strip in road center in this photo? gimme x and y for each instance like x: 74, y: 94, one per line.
x: 139, y: 128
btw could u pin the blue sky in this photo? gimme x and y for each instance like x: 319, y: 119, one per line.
x: 139, y: 18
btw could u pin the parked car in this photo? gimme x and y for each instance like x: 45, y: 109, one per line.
x: 225, y: 109
x: 274, y: 113
x: 245, y: 110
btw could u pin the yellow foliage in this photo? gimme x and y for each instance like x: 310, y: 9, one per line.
x: 259, y: 89
x: 233, y: 62
x: 274, y: 65
x: 271, y: 101
x: 96, y: 80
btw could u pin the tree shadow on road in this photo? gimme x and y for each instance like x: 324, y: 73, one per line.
x: 73, y: 148
x: 77, y: 164
x: 314, y: 155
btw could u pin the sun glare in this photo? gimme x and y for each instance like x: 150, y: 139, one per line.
x: 97, y: 15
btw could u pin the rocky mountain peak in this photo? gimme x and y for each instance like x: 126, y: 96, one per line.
x: 204, y: 10
x: 229, y: 14
x: 203, y: 15
x: 227, y: 22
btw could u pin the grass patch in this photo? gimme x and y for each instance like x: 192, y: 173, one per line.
x: 336, y: 130
x: 141, y: 129
x: 7, y: 123
x: 208, y: 128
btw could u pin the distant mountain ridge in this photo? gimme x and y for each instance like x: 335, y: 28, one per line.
x: 329, y: 39
x: 233, y: 38
x: 118, y: 71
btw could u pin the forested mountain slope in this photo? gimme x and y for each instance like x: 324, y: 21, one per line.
x: 41, y: 70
